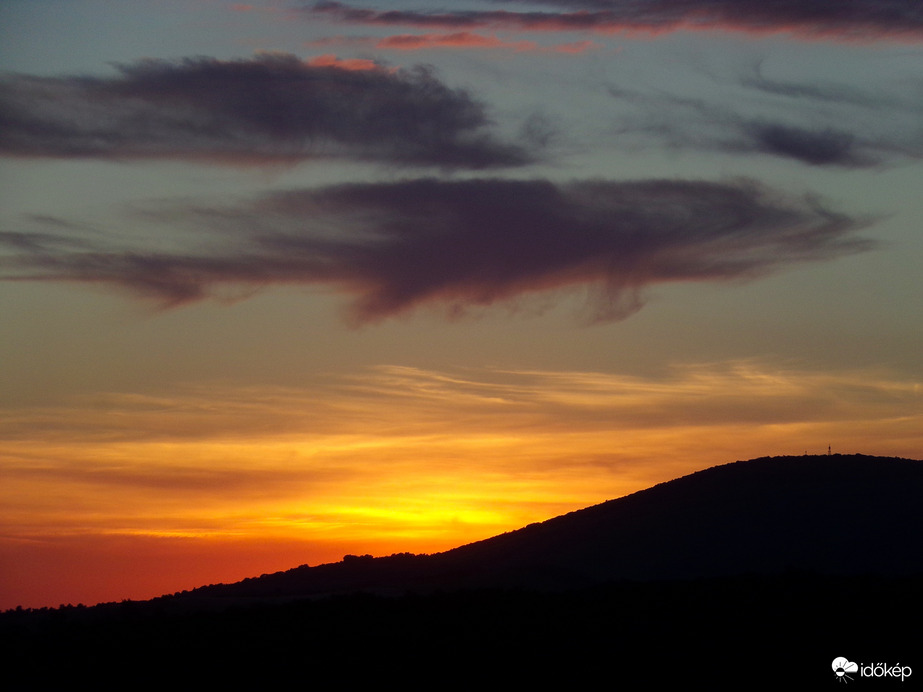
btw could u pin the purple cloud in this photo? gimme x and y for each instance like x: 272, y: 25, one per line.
x: 842, y: 19
x: 817, y: 147
x: 462, y: 244
x: 272, y: 108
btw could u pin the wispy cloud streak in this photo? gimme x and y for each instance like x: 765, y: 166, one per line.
x: 463, y: 244
x: 820, y: 125
x: 271, y: 108
x: 348, y: 411
x: 844, y: 20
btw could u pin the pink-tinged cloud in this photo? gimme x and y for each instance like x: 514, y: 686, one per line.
x: 330, y: 60
x: 272, y: 108
x: 602, y: 22
x: 838, y: 20
x: 461, y: 39
x: 462, y: 244
x: 467, y: 39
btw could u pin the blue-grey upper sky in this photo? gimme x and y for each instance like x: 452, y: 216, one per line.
x: 473, y: 159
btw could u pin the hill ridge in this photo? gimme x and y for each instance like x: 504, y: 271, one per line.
x: 767, y: 515
x: 567, y: 602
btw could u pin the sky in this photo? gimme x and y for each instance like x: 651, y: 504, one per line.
x: 285, y: 281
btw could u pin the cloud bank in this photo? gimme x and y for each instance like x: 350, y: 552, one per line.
x: 463, y: 244
x: 842, y: 20
x: 272, y: 108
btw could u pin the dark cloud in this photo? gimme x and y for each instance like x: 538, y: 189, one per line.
x: 840, y: 19
x: 496, y: 19
x: 819, y: 148
x: 471, y: 243
x: 267, y: 109
x: 888, y: 111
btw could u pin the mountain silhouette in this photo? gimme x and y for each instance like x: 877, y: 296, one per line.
x: 752, y: 574
x: 834, y: 515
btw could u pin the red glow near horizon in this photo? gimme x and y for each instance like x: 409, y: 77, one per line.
x: 101, y: 513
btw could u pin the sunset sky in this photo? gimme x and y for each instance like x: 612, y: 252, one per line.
x: 285, y: 281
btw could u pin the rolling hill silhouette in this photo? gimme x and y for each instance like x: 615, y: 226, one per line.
x: 753, y: 574
x: 833, y: 515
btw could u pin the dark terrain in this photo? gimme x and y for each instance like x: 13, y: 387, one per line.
x: 755, y: 574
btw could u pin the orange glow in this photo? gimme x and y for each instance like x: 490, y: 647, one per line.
x: 353, y: 64
x: 162, y: 492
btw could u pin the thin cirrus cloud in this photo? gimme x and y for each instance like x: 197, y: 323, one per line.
x: 404, y: 404
x: 347, y: 425
x: 843, y: 20
x: 815, y: 125
x: 394, y: 247
x: 271, y: 108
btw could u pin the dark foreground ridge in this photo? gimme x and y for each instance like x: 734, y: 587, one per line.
x: 835, y: 515
x: 770, y: 567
